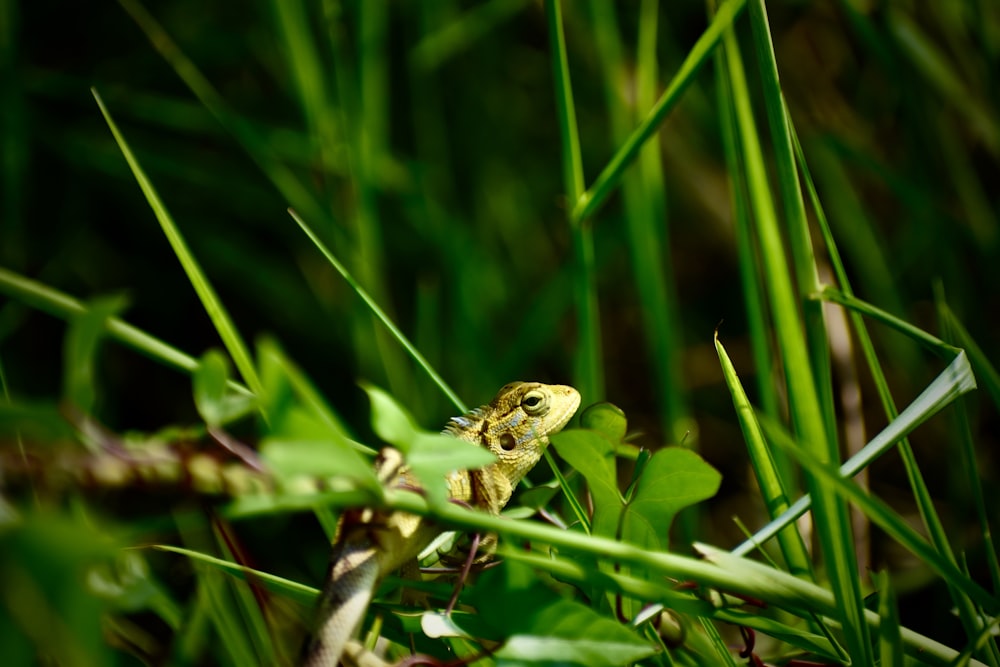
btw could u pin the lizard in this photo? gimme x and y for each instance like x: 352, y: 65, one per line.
x: 515, y: 426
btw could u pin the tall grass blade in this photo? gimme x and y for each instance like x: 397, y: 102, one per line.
x: 589, y: 363
x: 889, y: 640
x: 645, y: 213
x: 966, y: 609
x: 209, y: 299
x: 768, y: 478
x: 830, y: 512
x: 656, y: 283
x: 793, y: 208
x: 750, y: 271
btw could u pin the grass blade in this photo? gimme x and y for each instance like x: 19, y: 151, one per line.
x: 380, y: 314
x: 966, y: 609
x: 284, y: 180
x: 768, y: 478
x: 608, y: 179
x: 206, y: 293
x: 883, y: 516
x: 932, y: 343
x: 61, y: 305
x: 953, y: 381
x: 889, y: 639
x: 589, y: 364
x: 830, y: 512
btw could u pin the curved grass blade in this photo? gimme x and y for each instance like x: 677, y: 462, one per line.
x: 275, y: 582
x: 932, y: 343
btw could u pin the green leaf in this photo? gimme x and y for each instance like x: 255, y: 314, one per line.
x: 592, y: 455
x: 605, y: 418
x: 429, y: 456
x: 542, y: 627
x: 80, y: 350
x: 674, y: 478
x: 216, y: 403
x: 432, y: 456
x: 130, y: 586
x: 537, y: 497
x: 285, y: 385
x: 542, y: 650
x: 42, y: 560
x: 390, y: 421
x: 305, y: 445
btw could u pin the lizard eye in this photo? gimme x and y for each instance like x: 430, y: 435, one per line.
x: 534, y: 402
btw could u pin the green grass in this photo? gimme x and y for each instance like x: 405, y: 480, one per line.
x: 570, y: 192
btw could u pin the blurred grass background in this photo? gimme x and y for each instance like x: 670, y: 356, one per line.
x: 421, y: 141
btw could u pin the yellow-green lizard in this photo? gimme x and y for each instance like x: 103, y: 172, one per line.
x: 515, y: 426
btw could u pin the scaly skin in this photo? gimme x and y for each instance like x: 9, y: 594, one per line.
x: 515, y: 426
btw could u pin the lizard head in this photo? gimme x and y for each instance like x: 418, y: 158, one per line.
x: 519, y: 420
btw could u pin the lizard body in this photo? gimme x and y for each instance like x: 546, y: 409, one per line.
x: 515, y: 426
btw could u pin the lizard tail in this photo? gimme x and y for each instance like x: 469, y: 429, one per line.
x: 350, y: 584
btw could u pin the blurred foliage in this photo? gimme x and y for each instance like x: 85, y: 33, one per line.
x: 462, y: 186
x: 422, y: 142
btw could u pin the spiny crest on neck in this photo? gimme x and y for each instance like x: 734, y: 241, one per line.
x: 464, y: 424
